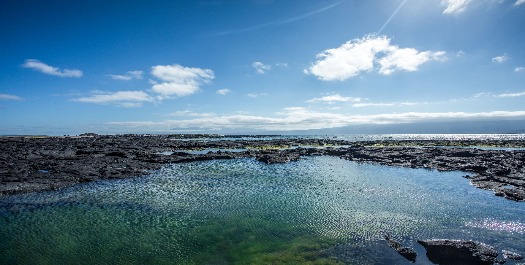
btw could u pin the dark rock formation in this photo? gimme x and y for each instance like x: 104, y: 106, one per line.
x: 459, y: 252
x: 407, y: 253
x: 511, y: 255
x: 277, y: 157
x: 34, y: 163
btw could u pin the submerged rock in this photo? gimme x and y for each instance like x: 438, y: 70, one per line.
x: 459, y: 252
x: 407, y: 253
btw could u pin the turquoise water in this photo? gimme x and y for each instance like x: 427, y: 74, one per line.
x: 319, y: 210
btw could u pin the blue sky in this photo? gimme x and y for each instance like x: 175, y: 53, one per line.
x: 69, y: 67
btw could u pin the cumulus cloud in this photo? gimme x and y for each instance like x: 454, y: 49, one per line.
x: 128, y: 76
x: 362, y: 55
x: 50, y: 70
x: 177, y: 80
x: 10, y: 97
x: 331, y: 99
x: 125, y: 99
x: 407, y: 59
x: 519, y: 2
x: 298, y: 118
x: 500, y: 59
x: 261, y: 68
x: 454, y: 6
x: 224, y: 91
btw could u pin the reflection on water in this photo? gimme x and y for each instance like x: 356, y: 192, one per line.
x: 322, y: 210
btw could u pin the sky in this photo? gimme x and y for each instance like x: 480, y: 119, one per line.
x: 69, y: 67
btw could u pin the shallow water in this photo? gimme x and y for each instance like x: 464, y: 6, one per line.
x: 322, y: 210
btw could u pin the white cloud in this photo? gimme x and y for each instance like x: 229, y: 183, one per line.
x: 125, y: 99
x: 387, y: 104
x: 481, y: 94
x: 331, y: 99
x: 500, y: 59
x: 297, y: 118
x: 223, y: 91
x: 10, y: 97
x: 189, y: 113
x: 120, y: 77
x: 253, y: 95
x: 362, y: 105
x: 129, y: 75
x: 460, y: 54
x: 177, y: 80
x: 510, y: 95
x: 50, y: 70
x: 519, y: 2
x: 455, y: 6
x: 261, y: 68
x: 360, y: 55
x: 407, y: 59
x: 520, y: 68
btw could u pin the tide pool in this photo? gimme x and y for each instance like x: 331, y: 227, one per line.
x: 319, y: 210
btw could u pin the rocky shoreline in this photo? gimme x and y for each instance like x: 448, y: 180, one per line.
x: 31, y: 163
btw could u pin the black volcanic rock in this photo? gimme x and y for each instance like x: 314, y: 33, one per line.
x: 407, y: 253
x: 459, y: 252
x: 42, y: 163
x: 511, y: 255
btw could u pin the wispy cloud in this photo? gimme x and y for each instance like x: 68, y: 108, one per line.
x: 500, y: 59
x: 127, y: 99
x: 189, y: 113
x: 277, y: 22
x: 510, y: 95
x: 261, y: 68
x: 519, y: 68
x: 50, y: 70
x: 256, y: 95
x: 387, y: 104
x: 10, y: 97
x: 177, y: 80
x: 128, y: 76
x: 331, y: 99
x: 502, y: 95
x: 224, y: 91
x: 298, y: 118
x: 455, y: 6
x: 360, y: 55
x: 519, y: 2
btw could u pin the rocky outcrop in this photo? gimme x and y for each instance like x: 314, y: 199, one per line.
x: 277, y: 157
x: 407, y: 253
x: 452, y: 252
x: 511, y: 255
x: 43, y: 163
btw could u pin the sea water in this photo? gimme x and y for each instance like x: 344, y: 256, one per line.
x: 318, y: 210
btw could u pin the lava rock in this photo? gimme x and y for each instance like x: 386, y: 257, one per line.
x: 459, y: 252
x: 511, y: 255
x: 407, y: 253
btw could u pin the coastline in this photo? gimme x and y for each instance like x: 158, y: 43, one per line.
x: 32, y: 164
